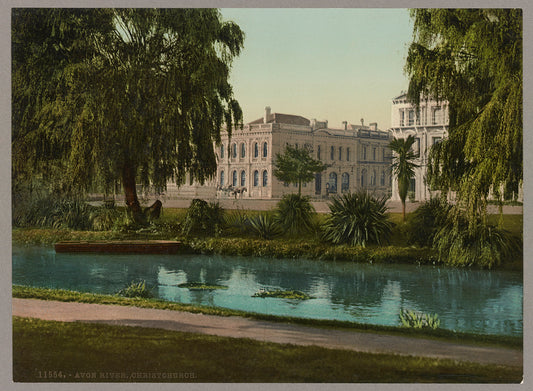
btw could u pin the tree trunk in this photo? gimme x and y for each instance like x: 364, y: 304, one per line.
x: 299, y: 188
x: 403, y: 210
x: 130, y: 191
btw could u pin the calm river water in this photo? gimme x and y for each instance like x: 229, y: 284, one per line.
x: 488, y: 302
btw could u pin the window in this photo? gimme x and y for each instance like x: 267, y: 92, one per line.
x: 234, y: 178
x: 222, y: 178
x: 382, y: 180
x: 265, y: 178
x: 234, y: 150
x: 347, y: 154
x: 402, y: 118
x: 243, y: 178
x: 436, y: 116
x: 318, y: 153
x: 222, y: 151
x: 332, y: 153
x: 256, y: 176
x: 345, y: 182
x: 340, y: 153
x: 411, y: 118
x: 363, y: 176
x: 364, y: 153
x: 417, y: 146
x: 265, y: 149
x: 332, y: 183
x: 243, y: 150
x: 418, y: 116
x: 374, y: 154
x: 256, y: 150
x: 373, y: 179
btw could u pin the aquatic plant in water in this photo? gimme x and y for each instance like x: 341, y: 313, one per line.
x: 136, y: 289
x: 418, y: 320
x: 201, y: 286
x: 278, y: 293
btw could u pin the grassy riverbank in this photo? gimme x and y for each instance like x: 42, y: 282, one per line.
x: 47, y: 351
x: 438, y: 334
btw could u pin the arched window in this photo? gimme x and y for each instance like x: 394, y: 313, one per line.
x: 222, y: 151
x: 345, y: 182
x: 234, y: 178
x: 318, y: 154
x: 332, y: 182
x: 222, y: 178
x: 347, y: 154
x: 256, y: 150
x: 332, y: 153
x: 363, y: 176
x: 340, y: 153
x: 256, y: 177
x: 265, y: 178
x: 234, y: 150
x: 243, y: 150
x: 265, y: 149
x: 243, y: 178
x: 382, y: 180
x: 373, y: 178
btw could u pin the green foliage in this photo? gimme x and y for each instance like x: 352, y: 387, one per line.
x: 282, y: 294
x: 403, y: 166
x: 418, y: 320
x: 424, y: 222
x: 265, y: 225
x: 295, y: 214
x: 102, y: 96
x: 473, y: 59
x: 297, y: 166
x: 203, y: 218
x: 357, y: 219
x: 237, y: 222
x: 461, y: 243
x: 136, y: 289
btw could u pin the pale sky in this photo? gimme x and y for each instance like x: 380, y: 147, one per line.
x: 329, y: 64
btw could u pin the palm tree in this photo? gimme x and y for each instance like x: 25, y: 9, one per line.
x: 403, y: 166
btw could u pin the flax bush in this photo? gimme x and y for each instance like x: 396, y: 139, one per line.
x: 295, y: 214
x: 357, y: 219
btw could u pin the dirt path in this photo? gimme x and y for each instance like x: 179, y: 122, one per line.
x: 238, y: 327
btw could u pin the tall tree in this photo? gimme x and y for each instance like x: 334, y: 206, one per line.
x: 144, y: 102
x: 295, y: 165
x: 403, y: 165
x: 473, y: 59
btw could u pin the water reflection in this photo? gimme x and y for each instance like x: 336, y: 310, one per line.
x: 465, y: 300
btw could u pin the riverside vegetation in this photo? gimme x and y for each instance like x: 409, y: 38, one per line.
x: 357, y: 229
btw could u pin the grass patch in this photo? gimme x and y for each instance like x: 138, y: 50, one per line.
x: 26, y: 292
x: 142, y: 355
x: 201, y: 286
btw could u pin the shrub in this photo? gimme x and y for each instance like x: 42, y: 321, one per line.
x: 424, y: 222
x: 136, y: 289
x: 237, y: 222
x: 203, y: 218
x: 479, y: 244
x: 418, y: 320
x: 357, y: 219
x: 295, y: 214
x: 265, y: 226
x: 104, y: 218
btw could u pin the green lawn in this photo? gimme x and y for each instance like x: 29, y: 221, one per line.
x: 77, y: 352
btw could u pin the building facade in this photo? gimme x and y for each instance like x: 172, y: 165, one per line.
x: 357, y: 157
x: 429, y: 125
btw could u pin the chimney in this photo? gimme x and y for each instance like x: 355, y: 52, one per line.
x: 345, y: 123
x: 362, y: 122
x: 266, y: 118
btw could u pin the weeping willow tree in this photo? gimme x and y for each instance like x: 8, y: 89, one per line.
x: 472, y: 58
x: 121, y: 95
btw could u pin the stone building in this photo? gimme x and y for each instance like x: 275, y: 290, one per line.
x: 357, y: 157
x: 429, y: 125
